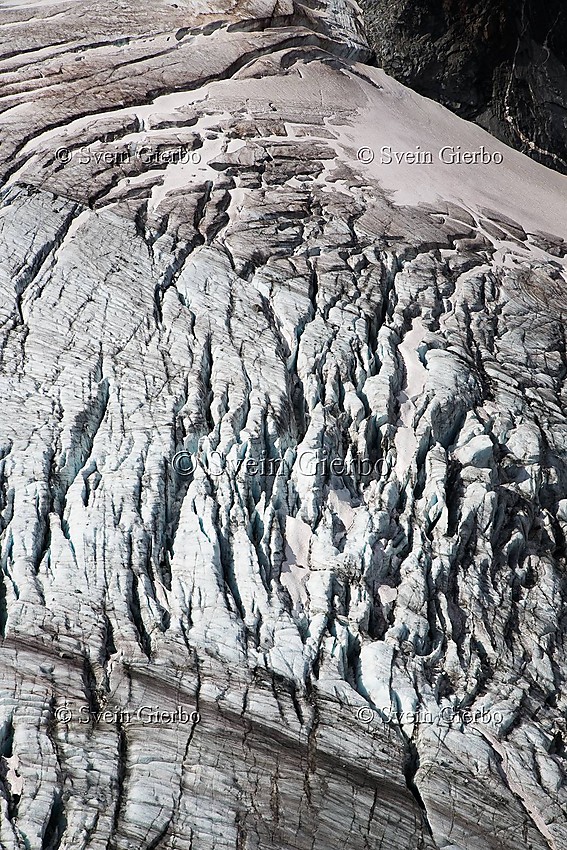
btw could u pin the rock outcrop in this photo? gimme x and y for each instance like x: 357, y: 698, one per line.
x: 283, y: 494
x: 501, y: 63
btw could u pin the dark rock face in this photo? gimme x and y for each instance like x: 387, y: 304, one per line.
x: 501, y: 64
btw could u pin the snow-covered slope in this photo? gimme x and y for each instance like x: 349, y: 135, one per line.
x: 283, y: 444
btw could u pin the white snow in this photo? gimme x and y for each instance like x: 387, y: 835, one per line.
x: 520, y: 188
x: 416, y: 378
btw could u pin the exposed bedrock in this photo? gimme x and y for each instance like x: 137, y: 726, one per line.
x: 501, y: 63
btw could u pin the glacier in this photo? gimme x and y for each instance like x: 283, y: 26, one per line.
x: 361, y: 643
